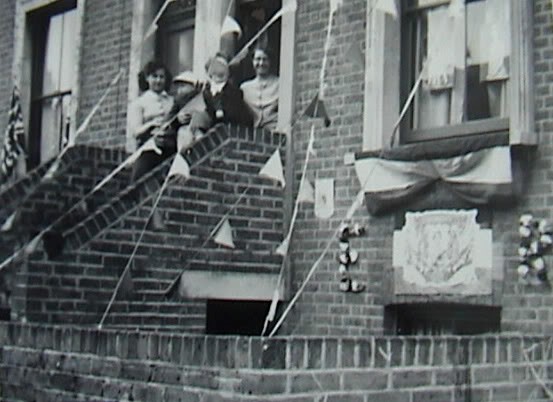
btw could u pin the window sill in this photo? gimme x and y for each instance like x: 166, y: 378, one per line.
x: 475, y: 127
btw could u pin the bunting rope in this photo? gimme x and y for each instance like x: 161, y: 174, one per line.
x: 129, y: 262
x: 326, y: 49
x: 292, y: 224
x: 175, y: 282
x: 537, y: 375
x: 153, y: 26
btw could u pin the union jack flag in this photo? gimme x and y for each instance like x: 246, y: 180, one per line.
x: 14, y: 138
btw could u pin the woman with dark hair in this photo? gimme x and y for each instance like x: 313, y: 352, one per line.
x: 147, y: 115
x: 261, y: 93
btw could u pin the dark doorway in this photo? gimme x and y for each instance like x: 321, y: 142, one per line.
x: 236, y: 317
x: 441, y: 319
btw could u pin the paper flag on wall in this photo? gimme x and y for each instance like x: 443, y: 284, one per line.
x: 334, y: 5
x: 8, y: 224
x: 317, y: 109
x: 273, y: 168
x: 324, y: 198
x: 230, y: 25
x: 33, y: 245
x: 282, y: 249
x: 354, y: 55
x: 224, y: 235
x: 53, y: 169
x: 387, y: 6
x: 306, y: 192
x: 179, y: 167
x: 274, y: 303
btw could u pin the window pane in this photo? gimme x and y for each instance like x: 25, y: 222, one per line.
x: 68, y: 61
x: 52, y: 59
x: 180, y: 50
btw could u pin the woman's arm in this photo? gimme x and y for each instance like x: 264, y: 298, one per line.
x: 138, y: 128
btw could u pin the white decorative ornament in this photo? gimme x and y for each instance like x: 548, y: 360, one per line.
x: 324, y: 198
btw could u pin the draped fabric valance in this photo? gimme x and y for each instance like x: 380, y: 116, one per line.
x: 480, y: 175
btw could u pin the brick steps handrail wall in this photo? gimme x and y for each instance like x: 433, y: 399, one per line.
x: 74, y: 363
x: 76, y: 286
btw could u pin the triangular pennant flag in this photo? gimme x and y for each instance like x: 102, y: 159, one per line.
x: 32, y: 245
x: 127, y: 284
x: 306, y: 192
x: 150, y: 145
x: 355, y: 55
x: 282, y: 249
x: 8, y: 224
x: 180, y: 167
x: 224, y: 235
x: 387, y: 6
x: 317, y: 109
x: 274, y: 303
x: 53, y: 169
x: 230, y: 25
x: 335, y: 5
x: 273, y: 168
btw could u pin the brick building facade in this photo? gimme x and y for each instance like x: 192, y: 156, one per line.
x: 333, y: 342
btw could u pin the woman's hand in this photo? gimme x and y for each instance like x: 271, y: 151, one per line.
x: 184, y: 117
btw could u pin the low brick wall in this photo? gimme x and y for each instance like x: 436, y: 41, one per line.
x: 50, y: 363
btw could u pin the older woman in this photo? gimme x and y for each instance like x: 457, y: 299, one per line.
x: 147, y: 116
x: 261, y: 93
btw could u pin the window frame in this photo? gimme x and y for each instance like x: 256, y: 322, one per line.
x: 144, y: 12
x: 22, y: 67
x: 382, y: 82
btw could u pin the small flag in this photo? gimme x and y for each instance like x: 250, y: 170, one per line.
x: 52, y: 170
x: 311, y: 144
x: 32, y: 245
x: 274, y: 303
x: 82, y: 207
x: 387, y: 6
x: 282, y: 249
x: 335, y: 5
x: 150, y: 145
x: 14, y: 137
x: 354, y: 55
x: 8, y: 224
x: 317, y: 109
x: 306, y: 192
x: 273, y: 168
x: 179, y: 167
x: 224, y: 235
x: 127, y: 284
x: 230, y: 26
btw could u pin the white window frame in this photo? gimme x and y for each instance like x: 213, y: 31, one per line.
x: 144, y: 12
x: 382, y: 76
x: 22, y: 60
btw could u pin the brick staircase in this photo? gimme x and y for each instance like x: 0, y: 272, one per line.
x: 75, y: 287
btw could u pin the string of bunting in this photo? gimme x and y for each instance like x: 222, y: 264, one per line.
x: 8, y: 224
x: 179, y: 168
x: 388, y: 7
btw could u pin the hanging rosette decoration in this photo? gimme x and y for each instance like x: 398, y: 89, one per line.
x: 347, y: 257
x: 536, y: 239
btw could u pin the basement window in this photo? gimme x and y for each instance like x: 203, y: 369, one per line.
x: 441, y: 319
x: 236, y: 317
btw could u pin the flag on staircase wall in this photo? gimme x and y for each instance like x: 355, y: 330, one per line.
x: 14, y: 138
x: 224, y: 235
x: 273, y: 169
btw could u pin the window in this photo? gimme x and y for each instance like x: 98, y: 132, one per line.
x: 464, y: 49
x: 53, y: 49
x: 185, y: 39
x: 472, y: 68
